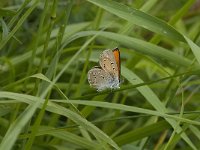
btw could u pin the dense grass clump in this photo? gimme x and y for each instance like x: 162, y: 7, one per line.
x: 47, y: 48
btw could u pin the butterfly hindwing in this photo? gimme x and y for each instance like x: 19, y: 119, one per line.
x: 99, y: 78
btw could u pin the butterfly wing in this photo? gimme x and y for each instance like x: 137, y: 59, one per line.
x: 110, y: 62
x: 99, y: 79
x: 116, y: 54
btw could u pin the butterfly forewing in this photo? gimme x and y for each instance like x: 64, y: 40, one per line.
x: 108, y: 63
x: 116, y: 54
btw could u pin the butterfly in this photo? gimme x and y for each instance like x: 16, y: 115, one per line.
x: 107, y: 75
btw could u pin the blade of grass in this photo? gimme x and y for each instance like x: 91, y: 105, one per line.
x: 16, y: 127
x: 4, y: 28
x: 70, y: 30
x: 139, y: 18
x: 53, y: 65
x: 142, y: 47
x: 172, y: 137
x: 36, y: 41
x: 31, y: 100
x: 18, y: 25
x: 141, y: 133
x: 128, y: 108
x: 58, y: 110
x: 195, y: 49
x: 6, y: 12
x: 19, y: 11
x: 151, y: 97
x: 149, y: 22
x: 177, y: 16
x: 195, y: 131
x: 69, y: 137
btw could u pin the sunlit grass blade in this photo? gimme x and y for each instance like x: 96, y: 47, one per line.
x: 152, y: 98
x: 17, y: 126
x: 36, y: 101
x: 139, y: 18
x: 142, y: 47
x: 195, y: 49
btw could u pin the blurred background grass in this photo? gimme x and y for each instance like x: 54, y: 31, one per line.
x: 46, y: 49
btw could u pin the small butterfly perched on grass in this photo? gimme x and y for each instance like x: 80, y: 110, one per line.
x: 107, y: 75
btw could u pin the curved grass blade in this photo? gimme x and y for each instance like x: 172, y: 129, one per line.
x: 152, y: 98
x: 36, y: 102
x: 17, y: 126
x: 139, y: 18
x: 18, y: 25
x: 141, y: 47
x: 195, y: 49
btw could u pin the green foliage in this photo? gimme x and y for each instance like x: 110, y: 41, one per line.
x: 46, y: 49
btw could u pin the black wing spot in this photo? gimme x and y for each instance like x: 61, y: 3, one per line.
x: 102, y: 76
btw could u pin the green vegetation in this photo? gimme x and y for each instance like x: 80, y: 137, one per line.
x: 47, y: 48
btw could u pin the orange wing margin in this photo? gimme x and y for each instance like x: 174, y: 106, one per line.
x: 116, y: 53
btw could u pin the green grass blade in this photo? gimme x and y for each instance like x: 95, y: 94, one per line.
x: 139, y: 18
x: 18, y: 25
x: 195, y: 49
x: 68, y: 136
x: 70, y: 30
x: 152, y: 98
x: 17, y: 126
x: 142, y: 47
x: 58, y: 110
x: 141, y: 133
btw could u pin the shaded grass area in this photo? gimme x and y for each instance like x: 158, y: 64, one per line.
x: 46, y: 49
